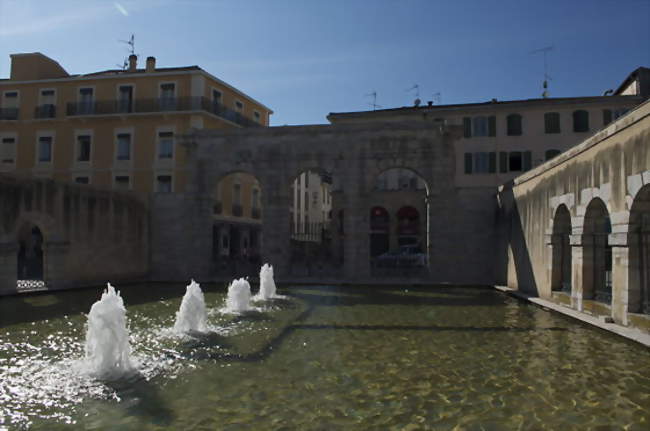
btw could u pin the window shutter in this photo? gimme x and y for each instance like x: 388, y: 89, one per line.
x: 492, y: 165
x: 468, y: 163
x: 503, y: 162
x: 528, y: 160
x: 467, y: 127
x: 492, y: 125
x: 607, y: 116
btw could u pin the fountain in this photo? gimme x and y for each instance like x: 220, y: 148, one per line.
x: 239, y: 296
x: 191, y: 316
x: 267, y: 284
x: 107, y: 338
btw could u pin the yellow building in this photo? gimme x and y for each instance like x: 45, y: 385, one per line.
x: 113, y: 128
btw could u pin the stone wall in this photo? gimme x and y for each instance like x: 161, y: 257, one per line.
x: 89, y: 236
x: 604, y: 185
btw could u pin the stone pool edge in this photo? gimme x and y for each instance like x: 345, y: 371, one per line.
x: 629, y: 333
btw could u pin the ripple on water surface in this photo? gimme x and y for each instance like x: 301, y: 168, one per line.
x: 327, y: 358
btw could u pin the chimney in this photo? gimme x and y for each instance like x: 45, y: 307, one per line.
x: 151, y: 64
x: 133, y: 62
x: 430, y: 103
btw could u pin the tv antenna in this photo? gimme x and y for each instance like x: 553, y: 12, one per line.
x: 374, y: 100
x: 131, y: 48
x: 547, y: 78
x: 417, y: 100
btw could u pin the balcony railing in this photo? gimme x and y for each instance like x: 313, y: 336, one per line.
x: 45, y: 111
x: 8, y: 113
x: 108, y: 107
x: 237, y: 210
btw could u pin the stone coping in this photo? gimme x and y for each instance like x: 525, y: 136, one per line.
x: 627, y: 332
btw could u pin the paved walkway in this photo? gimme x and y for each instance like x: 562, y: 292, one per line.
x: 629, y: 333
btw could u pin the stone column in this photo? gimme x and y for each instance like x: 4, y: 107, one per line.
x: 356, y: 247
x: 276, y: 236
x: 55, y: 271
x: 578, y: 281
x: 620, y: 276
x: 554, y: 276
x: 8, y: 267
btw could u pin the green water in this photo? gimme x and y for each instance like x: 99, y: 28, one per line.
x: 325, y: 358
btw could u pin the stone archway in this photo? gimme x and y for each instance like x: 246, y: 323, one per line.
x: 597, y: 254
x: 30, y: 258
x: 561, y: 249
x: 639, y: 253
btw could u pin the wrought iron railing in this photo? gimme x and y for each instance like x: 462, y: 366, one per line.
x: 166, y: 104
x: 45, y: 111
x: 8, y: 113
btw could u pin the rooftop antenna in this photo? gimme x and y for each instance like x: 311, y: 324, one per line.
x: 547, y: 78
x: 374, y: 100
x: 417, y: 100
x: 131, y: 48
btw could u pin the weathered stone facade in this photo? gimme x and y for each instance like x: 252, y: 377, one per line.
x: 89, y: 236
x: 460, y: 221
x: 595, y: 199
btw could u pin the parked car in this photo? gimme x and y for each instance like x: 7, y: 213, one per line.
x: 406, y: 256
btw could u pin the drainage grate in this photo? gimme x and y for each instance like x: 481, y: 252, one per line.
x: 30, y: 285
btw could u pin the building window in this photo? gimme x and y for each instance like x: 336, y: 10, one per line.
x: 552, y: 122
x: 164, y: 183
x: 480, y: 163
x: 217, y: 97
x: 168, y: 96
x: 468, y: 163
x: 165, y: 145
x: 479, y: 126
x: 83, y: 148
x: 514, y: 125
x: 580, y: 121
x: 122, y: 182
x: 125, y: 102
x: 239, y: 106
x: 82, y: 180
x: 549, y: 154
x: 256, y: 116
x: 45, y: 149
x: 611, y: 115
x: 123, y: 146
x: 256, y: 198
x: 236, y: 194
x: 86, y: 101
x: 8, y: 150
x: 47, y: 107
x: 514, y: 161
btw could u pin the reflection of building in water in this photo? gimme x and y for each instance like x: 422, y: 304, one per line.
x: 237, y: 217
x: 311, y: 209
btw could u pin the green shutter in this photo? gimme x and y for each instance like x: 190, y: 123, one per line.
x: 607, y: 116
x: 492, y: 125
x: 503, y: 162
x: 528, y: 160
x: 468, y: 163
x: 467, y: 127
x: 492, y: 166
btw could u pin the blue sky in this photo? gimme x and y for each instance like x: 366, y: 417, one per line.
x: 306, y: 58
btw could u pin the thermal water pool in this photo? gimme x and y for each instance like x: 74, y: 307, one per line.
x: 323, y: 358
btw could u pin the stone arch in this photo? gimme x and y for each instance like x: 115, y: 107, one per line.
x: 561, y: 250
x: 389, y: 169
x: 639, y: 253
x: 597, y: 254
x: 237, y: 211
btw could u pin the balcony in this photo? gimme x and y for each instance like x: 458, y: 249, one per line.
x: 256, y: 213
x: 237, y: 210
x: 176, y: 104
x: 8, y: 113
x: 45, y: 111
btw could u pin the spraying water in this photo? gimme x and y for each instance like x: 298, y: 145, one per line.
x: 192, y: 316
x: 107, y: 338
x: 267, y: 284
x: 239, y: 296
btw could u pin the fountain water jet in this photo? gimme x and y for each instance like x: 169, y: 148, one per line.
x: 192, y: 316
x: 107, y: 338
x: 267, y: 284
x: 239, y: 296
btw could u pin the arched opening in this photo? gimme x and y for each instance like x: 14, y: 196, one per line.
x: 561, y: 265
x: 310, y: 217
x: 639, y: 253
x: 399, y: 221
x: 237, y: 225
x: 30, y: 254
x: 379, y: 231
x: 597, y: 254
